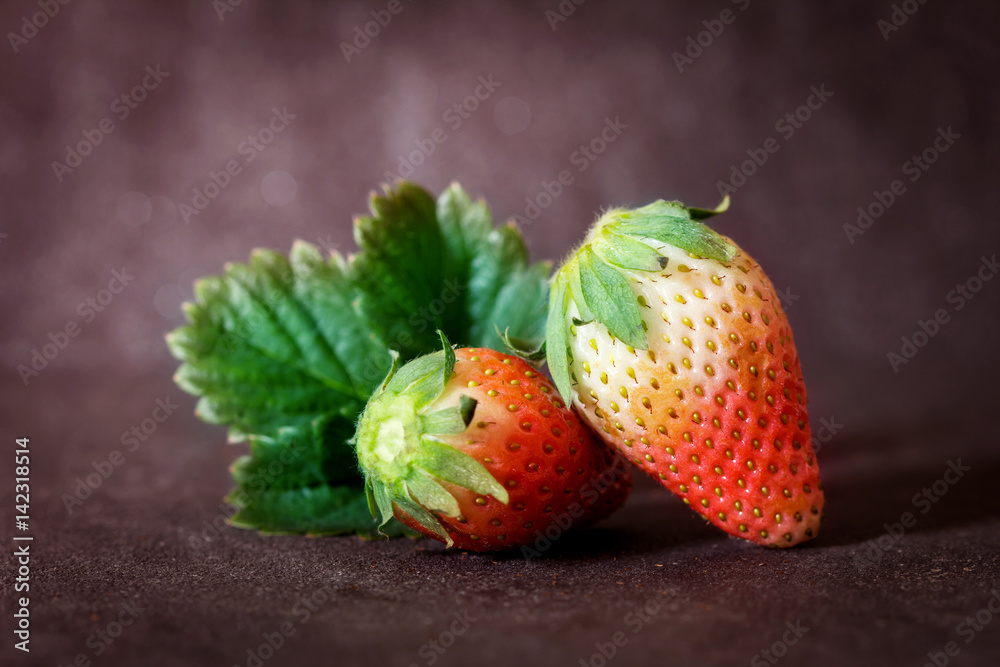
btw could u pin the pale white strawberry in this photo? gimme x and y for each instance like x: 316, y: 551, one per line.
x: 678, y: 353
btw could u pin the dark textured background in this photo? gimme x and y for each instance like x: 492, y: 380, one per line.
x: 209, y: 596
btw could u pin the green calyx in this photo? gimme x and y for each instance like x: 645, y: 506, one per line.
x: 400, y: 450
x: 593, y: 281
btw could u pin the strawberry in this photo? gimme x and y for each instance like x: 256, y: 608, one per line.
x: 474, y: 448
x: 675, y: 349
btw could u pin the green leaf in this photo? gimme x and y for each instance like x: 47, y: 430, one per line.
x: 322, y: 510
x: 297, y: 456
x: 400, y: 269
x: 302, y: 480
x: 277, y: 342
x: 425, y: 267
x: 506, y: 294
x: 301, y: 342
x: 611, y: 299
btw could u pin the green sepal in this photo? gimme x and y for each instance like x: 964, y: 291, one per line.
x: 422, y: 516
x: 426, y: 377
x: 425, y: 490
x: 557, y: 335
x: 529, y: 350
x: 626, y: 252
x: 449, y: 358
x: 392, y: 370
x: 612, y: 301
x: 449, y: 421
x: 576, y: 292
x: 706, y: 213
x: 447, y: 463
x: 467, y: 408
x: 672, y: 223
x: 370, y: 497
x: 382, y: 503
x: 592, y: 279
x: 421, y: 378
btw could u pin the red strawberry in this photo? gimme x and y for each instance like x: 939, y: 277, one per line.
x: 677, y: 351
x: 474, y: 448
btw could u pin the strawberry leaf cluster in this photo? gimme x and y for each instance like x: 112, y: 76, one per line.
x: 287, y: 350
